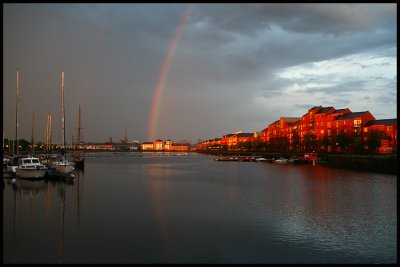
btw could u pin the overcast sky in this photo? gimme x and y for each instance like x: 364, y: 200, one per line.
x: 235, y: 67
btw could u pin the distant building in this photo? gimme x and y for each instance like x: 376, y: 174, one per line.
x: 147, y: 146
x: 158, y: 145
x: 168, y: 145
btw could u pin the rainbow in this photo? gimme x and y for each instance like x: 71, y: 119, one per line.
x: 155, y: 106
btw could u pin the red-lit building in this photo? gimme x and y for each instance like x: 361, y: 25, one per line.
x: 282, y: 128
x: 147, y: 146
x: 350, y: 125
x: 388, y: 127
x: 324, y: 129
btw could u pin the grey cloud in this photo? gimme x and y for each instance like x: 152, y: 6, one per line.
x: 306, y: 18
x: 227, y: 54
x: 342, y: 88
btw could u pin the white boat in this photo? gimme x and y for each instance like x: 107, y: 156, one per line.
x: 31, y: 168
x: 12, y: 165
x: 6, y: 160
x: 62, y: 167
x: 281, y: 160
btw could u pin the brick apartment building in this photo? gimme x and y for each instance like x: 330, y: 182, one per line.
x: 323, y: 129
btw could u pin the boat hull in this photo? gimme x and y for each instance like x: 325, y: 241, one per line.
x: 31, y: 173
x: 64, y: 168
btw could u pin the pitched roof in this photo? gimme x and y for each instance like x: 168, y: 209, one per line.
x: 273, y: 123
x: 324, y: 110
x: 316, y: 107
x: 386, y: 122
x: 350, y: 116
x: 291, y: 119
x: 340, y: 110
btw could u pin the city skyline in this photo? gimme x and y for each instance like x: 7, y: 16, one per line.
x: 194, y: 71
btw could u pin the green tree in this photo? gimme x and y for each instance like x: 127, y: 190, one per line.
x: 282, y: 144
x: 375, y: 138
x: 343, y: 140
x: 310, y: 141
x: 357, y: 146
x: 296, y: 142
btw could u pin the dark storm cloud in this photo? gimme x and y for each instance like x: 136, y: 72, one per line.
x: 303, y: 18
x: 222, y: 76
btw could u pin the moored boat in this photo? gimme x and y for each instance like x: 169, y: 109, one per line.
x: 61, y: 167
x: 12, y: 165
x: 31, y: 168
x: 307, y: 158
x: 227, y: 158
x: 262, y: 159
x: 281, y: 160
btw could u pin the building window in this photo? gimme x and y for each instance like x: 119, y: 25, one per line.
x: 329, y: 132
x: 322, y: 131
x: 329, y: 125
x: 365, y: 130
x: 357, y: 123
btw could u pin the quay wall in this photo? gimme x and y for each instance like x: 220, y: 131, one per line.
x: 369, y: 163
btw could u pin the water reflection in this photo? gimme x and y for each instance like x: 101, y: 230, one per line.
x: 156, y: 183
x: 166, y: 209
x: 29, y: 189
x: 28, y: 197
x: 61, y: 193
x: 336, y: 210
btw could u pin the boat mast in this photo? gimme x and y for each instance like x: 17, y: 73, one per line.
x: 50, y: 130
x: 78, y: 138
x: 32, y: 137
x: 62, y: 111
x: 16, y: 115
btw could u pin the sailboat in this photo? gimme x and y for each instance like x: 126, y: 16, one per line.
x: 61, y: 167
x: 77, y: 160
x: 31, y: 167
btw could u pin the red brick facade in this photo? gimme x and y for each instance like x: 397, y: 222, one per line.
x: 323, y: 129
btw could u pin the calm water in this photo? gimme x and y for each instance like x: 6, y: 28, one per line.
x: 191, y: 209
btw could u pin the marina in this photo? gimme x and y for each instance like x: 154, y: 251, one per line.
x: 209, y: 134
